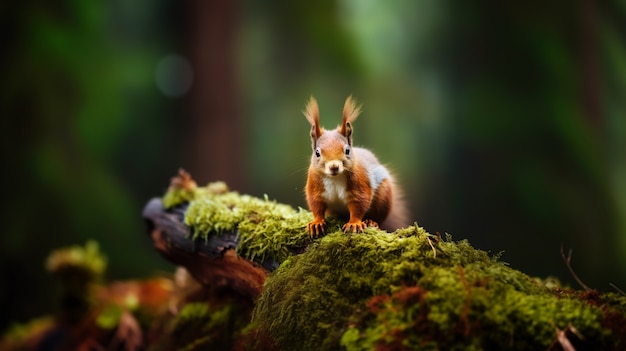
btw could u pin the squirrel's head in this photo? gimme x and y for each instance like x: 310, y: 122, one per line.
x: 332, y: 149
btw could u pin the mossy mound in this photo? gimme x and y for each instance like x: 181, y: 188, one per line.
x: 393, y: 291
x: 408, y: 290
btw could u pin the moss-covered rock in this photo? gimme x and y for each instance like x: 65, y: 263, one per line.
x: 381, y: 291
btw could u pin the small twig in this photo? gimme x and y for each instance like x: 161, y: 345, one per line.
x: 618, y: 289
x: 575, y: 331
x: 563, y: 340
x: 428, y: 239
x: 432, y: 246
x: 568, y: 261
x: 561, y: 336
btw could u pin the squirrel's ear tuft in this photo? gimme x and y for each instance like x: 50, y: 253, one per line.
x: 350, y: 113
x: 312, y: 114
x: 350, y: 110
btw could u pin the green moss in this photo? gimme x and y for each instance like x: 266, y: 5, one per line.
x: 200, y: 326
x: 109, y: 318
x: 178, y: 195
x: 402, y: 290
x: 390, y: 291
x: 273, y: 233
x: 19, y: 334
x: 266, y: 229
x: 76, y: 267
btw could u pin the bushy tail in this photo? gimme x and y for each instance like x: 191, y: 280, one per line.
x: 398, y: 215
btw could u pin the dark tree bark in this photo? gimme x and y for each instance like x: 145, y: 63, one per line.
x: 215, y: 128
x: 212, y: 262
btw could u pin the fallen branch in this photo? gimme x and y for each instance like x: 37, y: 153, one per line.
x: 211, y: 261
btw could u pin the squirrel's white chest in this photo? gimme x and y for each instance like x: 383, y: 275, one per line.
x: 335, y: 192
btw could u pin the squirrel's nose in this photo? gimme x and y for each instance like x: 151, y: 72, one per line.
x: 332, y: 168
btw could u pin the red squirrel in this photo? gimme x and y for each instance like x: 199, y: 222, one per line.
x: 348, y: 181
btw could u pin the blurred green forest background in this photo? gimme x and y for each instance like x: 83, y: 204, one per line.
x: 504, y: 121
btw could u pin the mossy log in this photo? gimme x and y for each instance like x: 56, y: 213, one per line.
x: 212, y: 262
x: 376, y: 290
x: 262, y: 283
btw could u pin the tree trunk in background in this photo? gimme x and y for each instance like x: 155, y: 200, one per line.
x: 590, y: 64
x: 214, y: 130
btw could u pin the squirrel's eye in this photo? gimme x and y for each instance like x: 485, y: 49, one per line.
x: 347, y: 150
x: 318, y: 152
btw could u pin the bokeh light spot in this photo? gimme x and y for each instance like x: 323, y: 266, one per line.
x: 174, y: 75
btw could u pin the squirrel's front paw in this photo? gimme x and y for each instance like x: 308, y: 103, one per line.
x: 354, y: 227
x: 316, y: 227
x: 370, y: 223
